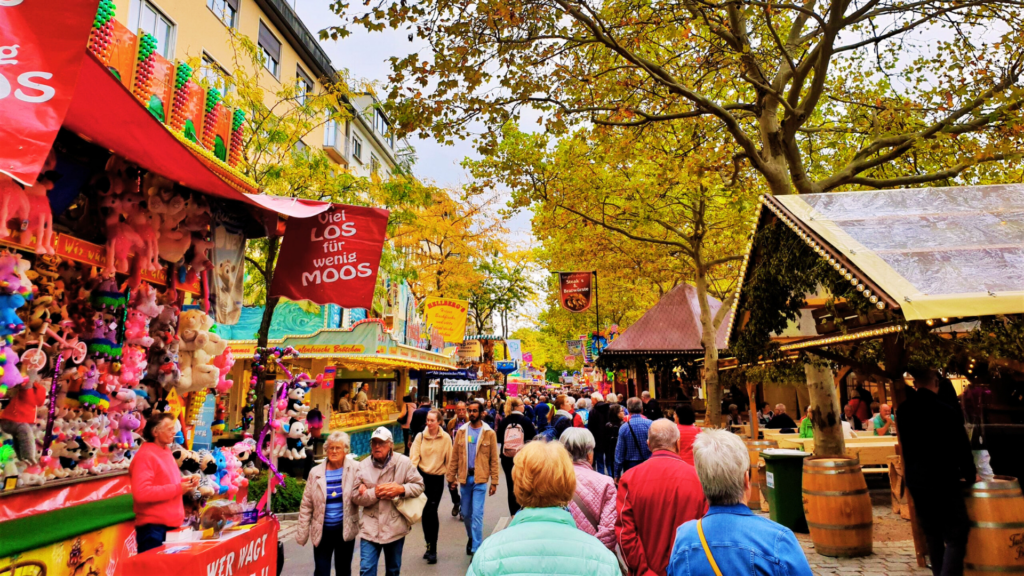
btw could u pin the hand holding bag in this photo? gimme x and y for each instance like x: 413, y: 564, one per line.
x: 411, y: 508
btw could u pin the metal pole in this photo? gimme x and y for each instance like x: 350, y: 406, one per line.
x: 597, y: 302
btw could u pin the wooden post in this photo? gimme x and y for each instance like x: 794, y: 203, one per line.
x: 752, y: 409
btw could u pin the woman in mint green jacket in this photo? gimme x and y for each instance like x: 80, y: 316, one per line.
x: 543, y: 538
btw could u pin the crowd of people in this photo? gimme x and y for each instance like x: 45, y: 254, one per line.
x: 596, y: 485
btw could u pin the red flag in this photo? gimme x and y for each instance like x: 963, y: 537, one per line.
x: 333, y: 257
x: 574, y: 290
x: 41, y: 50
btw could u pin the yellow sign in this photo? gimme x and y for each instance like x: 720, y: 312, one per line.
x: 470, y: 349
x: 448, y: 317
x: 175, y: 403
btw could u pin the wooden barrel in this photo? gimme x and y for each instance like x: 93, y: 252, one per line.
x: 837, y: 506
x: 754, y: 449
x: 995, y: 543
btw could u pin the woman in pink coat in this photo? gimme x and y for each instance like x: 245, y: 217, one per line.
x: 593, y: 503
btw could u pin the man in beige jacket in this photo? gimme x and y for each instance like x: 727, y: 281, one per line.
x: 474, y: 461
x: 382, y: 479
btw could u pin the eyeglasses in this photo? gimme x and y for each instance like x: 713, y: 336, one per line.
x: 336, y: 449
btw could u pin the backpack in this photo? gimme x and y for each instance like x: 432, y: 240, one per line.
x: 514, y: 439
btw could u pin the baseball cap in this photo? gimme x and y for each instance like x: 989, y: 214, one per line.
x: 382, y: 433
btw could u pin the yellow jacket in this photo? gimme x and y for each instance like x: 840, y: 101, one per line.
x: 431, y: 453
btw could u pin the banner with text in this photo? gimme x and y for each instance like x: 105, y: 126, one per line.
x: 447, y: 316
x: 332, y: 258
x: 574, y: 290
x: 41, y: 50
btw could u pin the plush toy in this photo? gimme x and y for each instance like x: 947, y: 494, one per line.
x: 224, y: 362
x: 297, y: 439
x: 133, y: 365
x: 168, y: 373
x: 9, y: 374
x: 198, y: 347
x: 188, y: 461
x: 146, y: 225
x: 144, y: 301
x: 315, y: 422
x: 13, y: 294
x: 200, y: 250
x: 123, y: 400
x: 136, y: 329
x: 142, y: 396
x: 296, y: 407
x: 245, y: 451
x: 126, y: 427
x: 218, y: 425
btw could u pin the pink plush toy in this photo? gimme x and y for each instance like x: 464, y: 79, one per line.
x: 122, y: 240
x: 14, y: 204
x: 224, y: 362
x: 146, y: 225
x: 144, y: 300
x: 136, y: 329
x: 133, y: 365
x: 123, y: 400
x: 200, y: 249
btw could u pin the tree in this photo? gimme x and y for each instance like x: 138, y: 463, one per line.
x: 647, y: 189
x: 504, y: 288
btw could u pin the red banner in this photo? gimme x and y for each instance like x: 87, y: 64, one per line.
x: 333, y: 257
x: 250, y: 553
x: 50, y: 498
x: 574, y: 290
x: 41, y: 50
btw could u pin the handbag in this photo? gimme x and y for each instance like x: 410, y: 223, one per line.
x: 412, y: 508
x: 594, y: 522
x: 707, y: 549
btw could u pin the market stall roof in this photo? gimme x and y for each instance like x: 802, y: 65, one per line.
x: 672, y: 326
x: 459, y: 386
x: 930, y: 252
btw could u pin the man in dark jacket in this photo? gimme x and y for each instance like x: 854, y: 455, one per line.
x: 595, y: 423
x: 419, y: 419
x: 781, y: 420
x: 937, y: 461
x: 515, y: 418
x: 652, y: 411
x: 540, y: 412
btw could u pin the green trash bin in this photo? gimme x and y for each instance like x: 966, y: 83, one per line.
x: 784, y: 487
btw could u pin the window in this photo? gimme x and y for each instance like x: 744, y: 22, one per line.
x: 226, y: 10
x: 271, y: 48
x: 299, y: 148
x: 214, y: 75
x: 153, y: 21
x: 331, y: 133
x: 374, y: 164
x: 357, y: 148
x: 383, y: 127
x: 305, y: 85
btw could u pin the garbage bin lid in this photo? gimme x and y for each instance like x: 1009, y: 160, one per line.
x: 784, y: 453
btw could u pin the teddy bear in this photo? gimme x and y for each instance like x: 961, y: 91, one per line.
x: 198, y: 346
x: 168, y: 372
x: 133, y: 365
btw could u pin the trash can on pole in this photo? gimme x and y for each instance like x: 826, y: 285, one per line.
x: 783, y: 487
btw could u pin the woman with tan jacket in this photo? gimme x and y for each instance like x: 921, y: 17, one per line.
x: 431, y: 451
x: 327, y: 512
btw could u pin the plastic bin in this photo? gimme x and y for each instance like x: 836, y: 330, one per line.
x: 784, y: 487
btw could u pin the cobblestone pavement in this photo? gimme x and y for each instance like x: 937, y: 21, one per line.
x: 889, y: 559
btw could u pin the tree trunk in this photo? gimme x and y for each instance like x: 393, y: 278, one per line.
x: 713, y: 402
x: 825, y: 415
x: 264, y: 333
x: 752, y: 409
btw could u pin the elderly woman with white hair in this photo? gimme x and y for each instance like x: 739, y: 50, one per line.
x: 593, y: 502
x: 730, y: 539
x: 327, y: 514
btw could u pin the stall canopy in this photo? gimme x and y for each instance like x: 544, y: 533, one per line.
x: 458, y: 386
x: 672, y: 326
x: 934, y: 252
x: 461, y: 374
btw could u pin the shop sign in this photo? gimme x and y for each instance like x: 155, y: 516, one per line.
x: 41, y: 50
x: 574, y: 290
x: 570, y: 360
x: 575, y: 347
x: 330, y: 373
x: 332, y: 258
x: 505, y: 367
x: 447, y: 316
x: 471, y: 349
x: 528, y: 357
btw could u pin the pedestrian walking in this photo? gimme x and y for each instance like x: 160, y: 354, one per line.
x: 542, y: 414
x: 431, y: 451
x: 474, y: 462
x: 513, y: 433
x: 157, y: 485
x: 563, y: 415
x: 382, y: 479
x: 611, y: 437
x: 457, y: 421
x: 579, y: 419
x: 405, y: 419
x: 593, y: 502
x: 938, y: 464
x: 543, y: 537
x: 327, y: 514
x: 631, y: 448
x: 596, y: 420
x: 419, y: 419
x: 739, y: 542
x: 654, y: 499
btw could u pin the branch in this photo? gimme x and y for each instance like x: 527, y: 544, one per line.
x: 263, y: 272
x: 912, y: 179
x: 864, y: 367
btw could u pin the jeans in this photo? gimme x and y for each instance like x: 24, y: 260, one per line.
x: 332, y: 543
x: 513, y: 504
x: 149, y: 536
x: 473, y: 496
x: 433, y: 487
x: 626, y: 465
x: 599, y: 465
x: 609, y: 464
x: 369, y: 556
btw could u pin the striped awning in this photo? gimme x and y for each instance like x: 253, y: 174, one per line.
x: 462, y: 385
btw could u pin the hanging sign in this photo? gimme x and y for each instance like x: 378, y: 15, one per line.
x: 332, y: 258
x: 528, y: 357
x: 505, y: 366
x: 515, y: 349
x: 447, y: 316
x: 41, y: 50
x: 574, y: 290
x: 575, y: 347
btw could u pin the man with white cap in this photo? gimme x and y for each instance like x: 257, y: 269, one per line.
x: 383, y: 479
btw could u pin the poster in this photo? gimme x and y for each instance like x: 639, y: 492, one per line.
x: 574, y: 290
x: 41, y: 51
x: 228, y: 273
x: 448, y: 317
x: 102, y: 551
x: 203, y: 437
x: 575, y: 347
x: 515, y: 350
x: 332, y: 258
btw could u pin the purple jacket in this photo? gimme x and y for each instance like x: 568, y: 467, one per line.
x: 597, y: 492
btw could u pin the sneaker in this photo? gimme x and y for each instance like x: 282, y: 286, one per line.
x: 461, y: 518
x: 431, y: 554
x: 469, y: 547
x: 455, y: 510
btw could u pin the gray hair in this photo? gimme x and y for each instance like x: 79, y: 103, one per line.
x: 612, y: 398
x: 339, y: 437
x: 578, y: 442
x: 663, y: 435
x: 635, y: 406
x: 645, y: 394
x: 733, y: 407
x: 581, y: 404
x: 722, y: 463
x: 597, y: 397
x: 780, y: 408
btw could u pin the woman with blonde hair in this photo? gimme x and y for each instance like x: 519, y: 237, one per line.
x: 327, y: 515
x: 543, y: 538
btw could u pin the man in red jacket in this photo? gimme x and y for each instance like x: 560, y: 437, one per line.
x: 653, y: 500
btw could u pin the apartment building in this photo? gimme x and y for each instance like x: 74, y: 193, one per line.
x: 187, y: 29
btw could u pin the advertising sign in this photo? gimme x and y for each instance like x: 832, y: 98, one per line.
x: 528, y: 357
x: 41, y: 50
x: 332, y: 258
x: 515, y: 349
x: 101, y: 551
x: 574, y: 290
x: 575, y: 347
x: 471, y: 349
x: 203, y: 437
x: 448, y: 317
x: 505, y: 366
